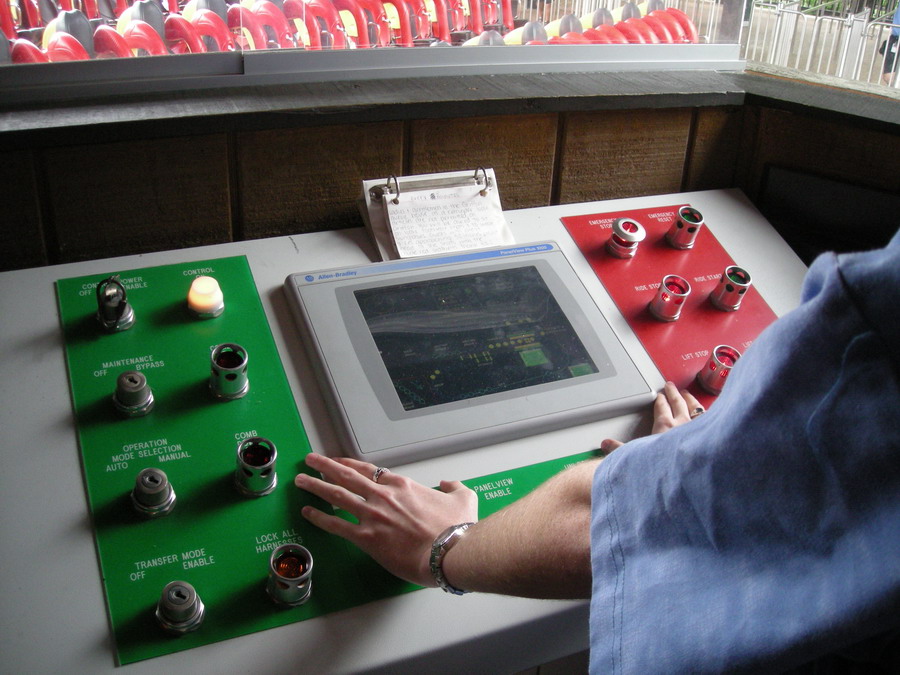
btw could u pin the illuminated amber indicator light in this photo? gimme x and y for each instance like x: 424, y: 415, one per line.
x: 290, y: 575
x: 627, y: 233
x: 713, y: 375
x: 205, y: 299
x: 290, y: 565
x: 729, y: 292
x: 255, y: 474
x: 670, y: 297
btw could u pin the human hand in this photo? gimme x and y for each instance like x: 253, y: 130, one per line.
x: 398, y: 518
x: 671, y: 409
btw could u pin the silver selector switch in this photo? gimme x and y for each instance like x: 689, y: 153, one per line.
x: 113, y: 311
x: 179, y: 609
x: 133, y: 396
x: 153, y: 495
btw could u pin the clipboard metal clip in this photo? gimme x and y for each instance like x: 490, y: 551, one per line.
x: 392, y: 186
x: 486, y: 181
x: 395, y: 191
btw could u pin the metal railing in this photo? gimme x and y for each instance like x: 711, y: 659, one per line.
x: 876, y: 62
x: 826, y: 39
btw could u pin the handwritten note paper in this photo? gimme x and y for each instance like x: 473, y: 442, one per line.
x: 442, y: 220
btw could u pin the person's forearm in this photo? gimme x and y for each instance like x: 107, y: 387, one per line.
x: 537, y: 547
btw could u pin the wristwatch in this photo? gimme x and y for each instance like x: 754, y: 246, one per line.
x: 444, y: 542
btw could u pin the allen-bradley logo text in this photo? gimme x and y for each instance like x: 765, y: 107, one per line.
x: 332, y: 275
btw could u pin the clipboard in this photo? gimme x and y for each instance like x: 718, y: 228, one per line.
x: 427, y: 214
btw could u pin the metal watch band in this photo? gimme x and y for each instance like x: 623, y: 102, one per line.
x: 443, y: 543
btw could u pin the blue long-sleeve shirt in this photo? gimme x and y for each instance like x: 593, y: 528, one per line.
x: 765, y: 533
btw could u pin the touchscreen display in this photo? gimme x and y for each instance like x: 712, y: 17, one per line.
x: 457, y: 338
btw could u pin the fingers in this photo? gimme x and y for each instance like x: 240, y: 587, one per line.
x: 364, y: 469
x: 692, y: 403
x: 462, y: 495
x: 331, y: 524
x: 676, y: 401
x: 683, y: 403
x: 327, y: 465
x: 662, y: 409
x: 449, y: 486
x: 352, y: 474
x: 673, y: 407
x: 349, y: 485
x: 332, y: 493
x: 610, y: 444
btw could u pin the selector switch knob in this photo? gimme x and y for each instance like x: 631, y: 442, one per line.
x: 153, y: 495
x: 113, y: 311
x: 133, y: 397
x: 179, y: 609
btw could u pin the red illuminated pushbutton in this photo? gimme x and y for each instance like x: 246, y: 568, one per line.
x: 627, y: 233
x: 713, y: 375
x: 290, y: 575
x: 670, y: 297
x: 685, y: 229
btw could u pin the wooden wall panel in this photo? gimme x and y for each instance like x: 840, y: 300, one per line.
x: 308, y: 179
x: 715, y: 148
x: 749, y: 132
x: 21, y: 238
x: 146, y: 195
x: 830, y: 149
x: 520, y: 148
x: 623, y: 153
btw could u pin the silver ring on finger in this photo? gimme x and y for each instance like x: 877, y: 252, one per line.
x: 379, y: 472
x: 696, y: 412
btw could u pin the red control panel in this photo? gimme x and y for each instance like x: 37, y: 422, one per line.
x: 679, y: 347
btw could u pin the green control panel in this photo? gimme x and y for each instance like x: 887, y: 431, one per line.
x: 190, y: 439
